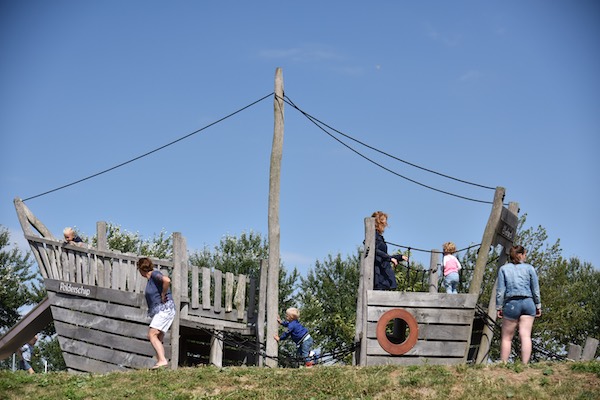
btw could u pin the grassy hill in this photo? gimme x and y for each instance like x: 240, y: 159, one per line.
x: 579, y: 380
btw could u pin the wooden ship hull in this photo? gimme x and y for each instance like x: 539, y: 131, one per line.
x: 96, y: 300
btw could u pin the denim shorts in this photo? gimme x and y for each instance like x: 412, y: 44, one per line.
x: 517, y: 306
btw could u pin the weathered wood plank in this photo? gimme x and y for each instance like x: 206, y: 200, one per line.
x: 137, y: 330
x: 114, y: 296
x: 432, y: 332
x: 195, y: 288
x: 117, y: 342
x: 240, y: 296
x: 205, y: 288
x: 428, y: 315
x: 228, y: 292
x: 401, y: 360
x: 99, y: 308
x: 218, y: 298
x: 107, y: 273
x: 420, y: 299
x: 76, y: 363
x: 42, y: 258
x: 209, y: 323
x: 211, y: 313
x: 422, y: 349
x: 104, y: 354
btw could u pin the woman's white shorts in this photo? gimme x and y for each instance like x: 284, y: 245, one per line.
x: 162, y: 320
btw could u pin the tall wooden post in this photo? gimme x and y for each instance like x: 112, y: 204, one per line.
x: 486, y: 241
x: 365, y: 284
x: 274, y: 232
x: 101, y: 239
x: 434, y: 266
x: 486, y: 336
x: 179, y: 259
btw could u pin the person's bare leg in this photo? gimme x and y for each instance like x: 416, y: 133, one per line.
x: 508, y: 331
x: 156, y: 337
x: 525, y: 327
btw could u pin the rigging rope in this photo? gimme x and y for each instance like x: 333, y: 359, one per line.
x: 149, y: 152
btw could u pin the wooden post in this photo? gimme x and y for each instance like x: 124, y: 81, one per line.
x: 487, y: 335
x: 589, y: 349
x: 179, y: 257
x: 102, y: 240
x: 365, y: 284
x: 262, y: 308
x: 574, y: 353
x: 486, y: 241
x: 274, y: 232
x: 216, y: 347
x: 434, y: 266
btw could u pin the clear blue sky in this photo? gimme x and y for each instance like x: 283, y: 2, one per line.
x: 501, y: 93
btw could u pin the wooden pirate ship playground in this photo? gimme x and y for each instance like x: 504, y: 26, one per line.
x: 95, y: 298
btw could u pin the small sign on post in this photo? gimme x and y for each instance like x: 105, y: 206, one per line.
x: 506, y: 229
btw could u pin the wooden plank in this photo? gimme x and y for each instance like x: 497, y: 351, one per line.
x: 589, y: 349
x: 107, y: 273
x: 401, y: 360
x: 117, y: 342
x: 211, y: 313
x: 420, y: 299
x: 77, y: 363
x: 422, y: 349
x: 100, y: 274
x: 195, y: 288
x: 205, y: 288
x: 228, y: 292
x: 114, y: 296
x: 216, y: 348
x: 98, y: 307
x: 119, y: 359
x: 432, y: 332
x: 115, y: 274
x: 252, y: 298
x: 137, y: 330
x: 42, y: 258
x: 209, y: 323
x: 428, y: 315
x: 240, y: 296
x: 218, y: 298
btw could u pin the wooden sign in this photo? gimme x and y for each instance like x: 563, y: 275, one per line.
x: 506, y: 229
x: 75, y: 289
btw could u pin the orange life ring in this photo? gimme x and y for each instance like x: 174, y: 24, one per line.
x: 411, y: 340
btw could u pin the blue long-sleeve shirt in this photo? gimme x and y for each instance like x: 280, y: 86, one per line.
x: 517, y: 280
x: 295, y: 330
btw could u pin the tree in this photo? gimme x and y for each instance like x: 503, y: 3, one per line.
x: 20, y: 282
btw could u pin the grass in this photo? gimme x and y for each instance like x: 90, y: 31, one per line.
x: 579, y: 381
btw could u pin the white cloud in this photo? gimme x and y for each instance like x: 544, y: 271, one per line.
x: 306, y: 53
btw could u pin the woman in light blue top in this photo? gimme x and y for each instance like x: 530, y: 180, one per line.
x: 518, y: 302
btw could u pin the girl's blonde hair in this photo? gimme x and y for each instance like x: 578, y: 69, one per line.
x: 293, y: 312
x: 449, y: 248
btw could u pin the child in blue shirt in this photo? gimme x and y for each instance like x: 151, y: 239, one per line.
x: 298, y: 333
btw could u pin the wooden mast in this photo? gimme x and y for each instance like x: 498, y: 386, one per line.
x: 274, y: 232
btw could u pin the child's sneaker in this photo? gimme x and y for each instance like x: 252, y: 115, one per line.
x: 309, y: 364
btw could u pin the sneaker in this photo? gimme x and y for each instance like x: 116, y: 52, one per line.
x: 309, y: 364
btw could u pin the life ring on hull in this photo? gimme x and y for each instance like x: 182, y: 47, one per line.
x: 413, y: 335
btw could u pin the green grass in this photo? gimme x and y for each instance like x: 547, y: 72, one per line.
x: 513, y: 381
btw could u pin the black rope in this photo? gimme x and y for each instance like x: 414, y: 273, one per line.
x: 383, y: 167
x: 291, y: 103
x: 150, y: 152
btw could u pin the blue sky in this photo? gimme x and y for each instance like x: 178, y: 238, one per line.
x: 500, y: 93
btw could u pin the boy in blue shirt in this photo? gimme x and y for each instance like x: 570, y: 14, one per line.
x: 298, y: 333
